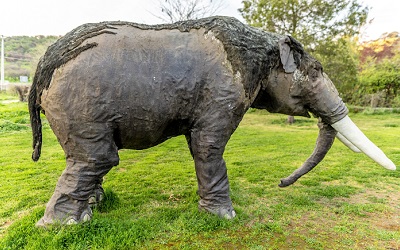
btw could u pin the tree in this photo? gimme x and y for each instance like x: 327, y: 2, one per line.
x: 382, y: 77
x: 22, y: 54
x: 180, y: 10
x: 310, y: 21
x: 340, y: 59
x: 323, y: 26
x: 379, y: 77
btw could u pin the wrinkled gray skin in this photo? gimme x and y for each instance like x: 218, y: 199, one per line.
x: 117, y: 85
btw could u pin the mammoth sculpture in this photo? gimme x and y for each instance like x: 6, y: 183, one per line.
x: 114, y: 85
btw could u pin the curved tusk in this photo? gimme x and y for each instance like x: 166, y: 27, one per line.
x: 352, y: 133
x: 347, y: 143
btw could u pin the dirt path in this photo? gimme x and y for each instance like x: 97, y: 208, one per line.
x: 8, y: 101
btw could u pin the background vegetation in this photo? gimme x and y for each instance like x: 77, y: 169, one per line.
x: 366, y: 73
x: 22, y: 54
x: 347, y: 202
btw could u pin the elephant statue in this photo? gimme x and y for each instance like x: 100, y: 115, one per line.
x: 113, y: 85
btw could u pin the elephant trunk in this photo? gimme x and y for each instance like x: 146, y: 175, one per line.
x: 353, y: 134
x: 325, y: 140
x: 323, y: 101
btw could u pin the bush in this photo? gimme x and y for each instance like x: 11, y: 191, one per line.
x: 22, y: 91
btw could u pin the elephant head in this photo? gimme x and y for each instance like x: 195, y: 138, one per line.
x: 298, y: 86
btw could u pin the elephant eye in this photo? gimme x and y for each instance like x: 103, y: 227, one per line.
x: 314, y: 74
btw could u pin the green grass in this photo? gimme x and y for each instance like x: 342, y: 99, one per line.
x: 9, y: 95
x: 347, y: 202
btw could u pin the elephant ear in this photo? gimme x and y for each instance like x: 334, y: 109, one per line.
x: 290, y: 52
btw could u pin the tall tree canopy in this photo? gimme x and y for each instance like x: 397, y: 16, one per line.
x: 310, y: 21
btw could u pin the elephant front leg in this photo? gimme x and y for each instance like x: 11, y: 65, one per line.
x: 213, y: 185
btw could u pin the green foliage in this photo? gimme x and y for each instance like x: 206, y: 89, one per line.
x: 15, y: 118
x: 309, y: 21
x: 151, y: 201
x: 322, y: 26
x: 22, y: 54
x: 8, y: 96
x: 340, y: 62
x: 382, y: 76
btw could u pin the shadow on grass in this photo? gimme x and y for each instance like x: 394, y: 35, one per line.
x: 110, y: 202
x: 112, y: 227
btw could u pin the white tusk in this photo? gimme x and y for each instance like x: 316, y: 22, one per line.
x: 352, y: 133
x: 347, y: 143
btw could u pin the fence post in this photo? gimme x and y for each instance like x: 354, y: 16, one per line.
x: 2, y: 63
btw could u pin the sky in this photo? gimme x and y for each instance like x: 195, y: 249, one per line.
x: 52, y: 17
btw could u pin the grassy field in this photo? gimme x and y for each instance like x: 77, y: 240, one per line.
x: 347, y: 202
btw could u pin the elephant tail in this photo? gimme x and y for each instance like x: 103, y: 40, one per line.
x: 36, y: 123
x: 63, y: 50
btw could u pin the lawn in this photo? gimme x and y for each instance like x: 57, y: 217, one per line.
x: 346, y: 202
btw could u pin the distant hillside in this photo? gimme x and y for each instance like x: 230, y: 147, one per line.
x: 379, y: 76
x: 22, y: 54
x: 384, y: 47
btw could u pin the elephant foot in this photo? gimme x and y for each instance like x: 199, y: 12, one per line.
x: 225, y: 212
x: 96, y: 197
x: 85, y: 217
x: 65, y: 210
x: 70, y: 220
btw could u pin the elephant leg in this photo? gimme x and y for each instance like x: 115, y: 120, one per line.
x: 91, y: 153
x: 207, y: 149
x: 97, y: 195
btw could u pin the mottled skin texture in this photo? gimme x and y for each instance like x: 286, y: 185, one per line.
x: 119, y: 85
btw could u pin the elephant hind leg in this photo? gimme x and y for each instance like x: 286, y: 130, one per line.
x: 91, y: 153
x: 70, y: 202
